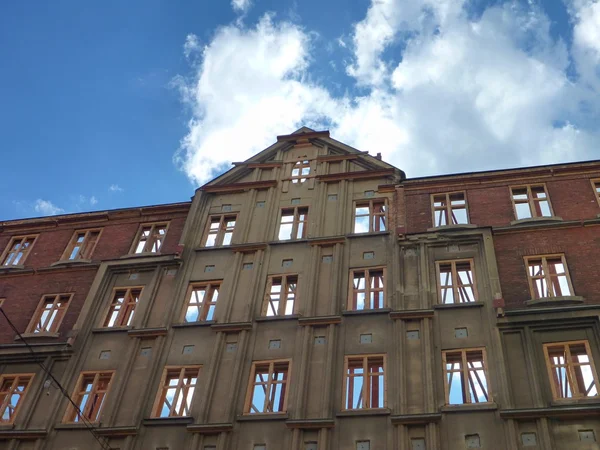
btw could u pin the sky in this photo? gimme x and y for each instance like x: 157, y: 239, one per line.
x: 120, y: 104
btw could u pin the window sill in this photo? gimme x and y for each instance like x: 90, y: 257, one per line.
x: 457, y: 227
x: 364, y: 412
x: 491, y: 406
x: 140, y: 255
x: 373, y: 233
x: 265, y: 416
x: 11, y: 268
x: 71, y: 262
x: 276, y: 318
x: 111, y: 330
x: 215, y: 247
x: 361, y: 312
x: 167, y: 421
x: 206, y: 323
x: 7, y: 426
x: 75, y: 426
x: 536, y: 220
x: 575, y: 401
x: 458, y: 305
x: 44, y: 335
x: 556, y: 301
x: 289, y: 241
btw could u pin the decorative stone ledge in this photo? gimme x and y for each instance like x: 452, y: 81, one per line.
x: 117, y: 431
x: 232, y: 327
x: 210, y: 428
x: 100, y: 330
x: 310, y: 424
x: 364, y: 312
x: 207, y: 323
x: 411, y: 314
x: 22, y: 434
x: 413, y: 419
x: 536, y: 220
x: 167, y: 421
x: 563, y: 411
x: 457, y: 227
x: 71, y: 262
x: 320, y: 320
x: 373, y: 234
x: 469, y: 407
x: 147, y: 332
x: 259, y: 417
x: 556, y: 301
x: 364, y: 412
x: 459, y: 305
x: 36, y: 336
x: 276, y: 318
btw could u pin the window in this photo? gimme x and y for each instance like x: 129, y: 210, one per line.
x: 49, y: 313
x: 82, y: 245
x: 202, y: 301
x: 367, y: 289
x: 12, y: 392
x: 293, y: 223
x: 449, y: 209
x: 150, y: 238
x: 465, y: 373
x: 280, y: 295
x: 364, y: 382
x: 531, y: 201
x: 370, y: 216
x: 267, y: 389
x: 571, y: 370
x: 220, y: 230
x: 456, y: 281
x: 548, y: 276
x: 300, y: 171
x: 596, y: 187
x: 122, y: 307
x: 17, y: 250
x: 89, y: 396
x: 176, y: 392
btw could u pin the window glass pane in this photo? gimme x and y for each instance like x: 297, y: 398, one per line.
x: 523, y: 211
x: 361, y: 224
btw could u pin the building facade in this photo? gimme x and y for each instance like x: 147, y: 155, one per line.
x: 311, y: 298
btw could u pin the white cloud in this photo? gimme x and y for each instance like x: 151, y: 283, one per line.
x: 463, y: 94
x: 586, y: 39
x: 115, y: 188
x: 46, y: 208
x: 93, y: 200
x: 191, y: 45
x: 241, y: 5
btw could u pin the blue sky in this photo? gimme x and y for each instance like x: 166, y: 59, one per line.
x: 117, y: 104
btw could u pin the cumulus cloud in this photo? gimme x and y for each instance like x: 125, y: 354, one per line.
x: 46, y: 208
x: 586, y: 39
x: 440, y: 90
x: 115, y: 188
x: 241, y: 5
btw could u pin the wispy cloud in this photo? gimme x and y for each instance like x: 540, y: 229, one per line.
x: 93, y: 200
x: 241, y: 6
x: 115, y: 188
x: 46, y: 208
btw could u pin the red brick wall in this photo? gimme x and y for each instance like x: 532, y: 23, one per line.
x: 579, y: 245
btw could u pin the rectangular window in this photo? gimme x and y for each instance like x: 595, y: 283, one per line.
x: 202, y: 301
x: 220, y: 230
x: 267, y: 388
x: 49, y: 313
x: 370, y: 216
x: 89, y: 396
x: 176, y: 391
x: 122, y: 307
x: 548, y: 276
x: 456, y: 282
x: 82, y: 245
x: 280, y: 295
x: 12, y: 392
x: 367, y: 289
x: 293, y: 224
x: 571, y: 370
x: 531, y: 201
x: 466, y: 376
x: 17, y: 250
x: 300, y: 171
x: 596, y: 187
x: 364, y: 382
x: 150, y: 238
x: 449, y: 209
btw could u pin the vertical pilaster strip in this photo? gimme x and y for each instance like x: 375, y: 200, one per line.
x: 428, y: 358
x: 323, y: 439
x: 237, y: 265
x: 211, y: 378
x: 123, y: 370
x: 327, y: 398
x: 338, y: 254
x: 313, y: 282
x: 238, y: 374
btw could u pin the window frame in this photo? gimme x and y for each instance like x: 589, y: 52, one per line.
x: 448, y: 208
x: 161, y: 393
x: 465, y: 382
x: 547, y: 276
x: 84, y: 245
x: 39, y: 310
x: 71, y: 413
x: 203, y: 307
x: 5, y: 402
x: 372, y: 215
x: 570, y: 374
x: 121, y: 312
x: 351, y: 290
x: 149, y: 242
x: 365, y: 383
x: 250, y: 389
x: 9, y: 245
x: 282, y: 300
x: 455, y: 288
x: 594, y: 182
x: 530, y: 200
x: 295, y: 222
x: 300, y: 164
x: 222, y: 230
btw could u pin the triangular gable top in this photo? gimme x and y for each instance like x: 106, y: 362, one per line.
x: 285, y: 142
